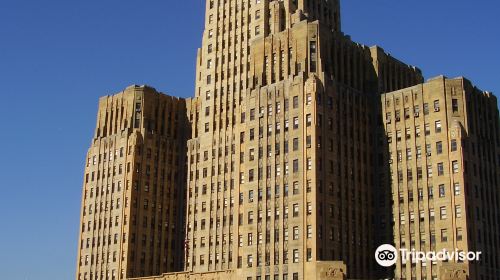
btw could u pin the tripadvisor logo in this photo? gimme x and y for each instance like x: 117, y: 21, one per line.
x: 387, y: 255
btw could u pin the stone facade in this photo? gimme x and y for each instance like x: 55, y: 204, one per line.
x: 442, y: 137
x: 283, y: 165
x: 314, y: 270
x: 277, y: 174
x: 132, y: 218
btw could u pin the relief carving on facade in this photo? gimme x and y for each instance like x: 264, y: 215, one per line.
x: 334, y: 273
x: 454, y: 274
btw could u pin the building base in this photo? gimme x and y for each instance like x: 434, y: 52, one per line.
x: 321, y: 270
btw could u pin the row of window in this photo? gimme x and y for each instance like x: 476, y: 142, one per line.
x: 108, y: 275
x: 438, y: 128
x: 98, y: 224
x: 250, y: 259
x: 428, y: 150
x: 416, y: 108
x: 103, y: 206
x: 440, y: 169
x: 442, y: 212
x: 423, y: 238
x: 457, y: 190
x: 97, y: 159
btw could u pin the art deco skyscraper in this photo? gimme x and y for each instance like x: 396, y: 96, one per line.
x: 443, y: 152
x: 282, y: 168
x: 132, y: 219
x: 280, y: 164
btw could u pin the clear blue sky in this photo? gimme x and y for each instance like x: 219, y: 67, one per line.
x: 57, y: 57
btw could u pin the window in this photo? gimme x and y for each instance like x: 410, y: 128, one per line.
x: 436, y: 105
x: 257, y: 30
x: 442, y: 212
x: 252, y: 114
x: 312, y: 55
x: 295, y: 187
x: 296, y: 210
x: 444, y: 235
x: 295, y: 123
x: 426, y: 108
x: 295, y: 165
x: 408, y: 133
x: 458, y: 211
x: 454, y: 145
x: 440, y: 168
x: 455, y: 166
x: 438, y: 126
x: 429, y: 171
x: 295, y: 144
x: 456, y: 188
x: 308, y: 99
x: 295, y: 102
x: 408, y: 154
x: 439, y: 147
x: 442, y: 191
x: 430, y: 190
x: 459, y: 234
x: 454, y: 105
x: 249, y: 261
x: 308, y: 120
x: 295, y: 255
x: 295, y: 233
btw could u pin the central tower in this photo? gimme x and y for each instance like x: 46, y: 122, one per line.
x: 278, y: 178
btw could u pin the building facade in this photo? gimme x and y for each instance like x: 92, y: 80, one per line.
x: 132, y: 218
x: 443, y: 153
x: 283, y: 167
x: 280, y: 160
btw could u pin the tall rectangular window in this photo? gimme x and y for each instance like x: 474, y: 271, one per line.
x: 454, y: 105
x: 295, y: 165
x: 295, y: 102
x: 440, y: 167
x: 442, y: 191
x: 454, y: 146
x: 312, y: 56
x: 442, y: 212
x: 438, y: 126
x: 439, y: 147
